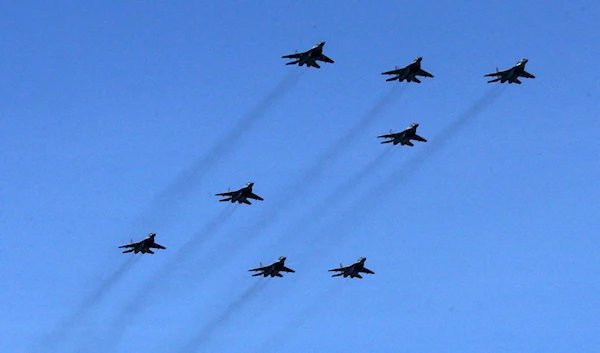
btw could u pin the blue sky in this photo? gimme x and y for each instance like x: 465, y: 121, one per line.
x: 120, y: 119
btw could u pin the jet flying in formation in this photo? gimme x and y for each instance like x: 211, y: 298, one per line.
x: 353, y: 270
x: 272, y: 269
x: 409, y: 72
x: 241, y: 195
x: 404, y: 137
x: 511, y: 75
x: 143, y: 246
x: 309, y: 57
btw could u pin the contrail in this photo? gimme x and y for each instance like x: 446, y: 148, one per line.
x: 135, y: 305
x: 307, y: 178
x: 62, y: 331
x: 315, y: 170
x: 196, y: 342
x: 357, y: 209
x: 337, y: 196
x: 164, y: 204
x: 342, y: 144
x: 318, y: 304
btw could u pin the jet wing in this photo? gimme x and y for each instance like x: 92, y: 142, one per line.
x: 394, y: 72
x: 132, y: 245
x: 254, y: 196
x: 293, y: 56
x: 516, y: 80
x: 157, y: 246
x: 325, y: 58
x: 262, y: 268
x: 388, y: 136
x: 496, y: 74
x: 527, y: 75
x: 286, y: 269
x: 424, y: 73
x: 366, y: 270
x: 418, y: 138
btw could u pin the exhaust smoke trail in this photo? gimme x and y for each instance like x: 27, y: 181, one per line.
x: 306, y: 180
x: 204, y: 335
x: 65, y: 328
x: 164, y: 204
x: 141, y: 299
x: 357, y: 211
x: 318, y: 304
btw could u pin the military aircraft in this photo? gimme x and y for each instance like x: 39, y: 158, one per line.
x: 353, y: 270
x: 409, y: 72
x: 404, y: 137
x: 273, y: 269
x: 511, y: 75
x: 143, y: 246
x: 309, y: 57
x: 241, y: 195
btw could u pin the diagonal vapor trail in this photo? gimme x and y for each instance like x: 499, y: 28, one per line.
x: 315, y: 170
x: 337, y: 196
x: 317, y: 305
x: 65, y: 328
x: 164, y: 204
x: 202, y: 337
x: 139, y: 301
x: 342, y: 144
x: 357, y: 210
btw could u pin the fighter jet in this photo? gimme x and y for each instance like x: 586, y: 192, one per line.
x: 409, y: 72
x: 404, y: 137
x: 240, y: 195
x: 309, y: 57
x: 143, y: 246
x: 273, y: 269
x: 511, y: 75
x: 353, y: 270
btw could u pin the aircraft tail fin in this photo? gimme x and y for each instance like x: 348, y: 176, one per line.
x: 256, y: 274
x: 293, y: 62
x: 126, y: 251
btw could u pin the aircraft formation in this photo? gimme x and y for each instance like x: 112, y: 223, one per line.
x: 309, y: 58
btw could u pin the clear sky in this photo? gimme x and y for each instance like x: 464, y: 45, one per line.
x: 123, y: 118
